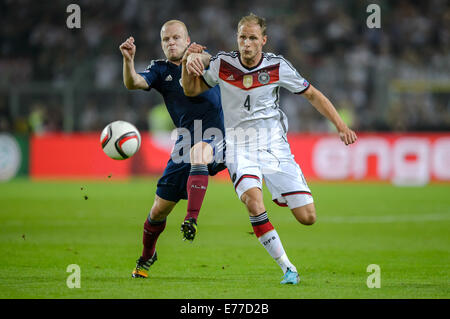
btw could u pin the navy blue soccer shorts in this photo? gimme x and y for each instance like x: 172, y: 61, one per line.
x: 172, y: 184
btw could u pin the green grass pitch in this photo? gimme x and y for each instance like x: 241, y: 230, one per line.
x: 46, y: 226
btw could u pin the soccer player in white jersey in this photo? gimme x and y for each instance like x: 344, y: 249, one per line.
x: 256, y: 128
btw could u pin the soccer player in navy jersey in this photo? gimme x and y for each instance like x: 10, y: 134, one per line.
x: 186, y: 175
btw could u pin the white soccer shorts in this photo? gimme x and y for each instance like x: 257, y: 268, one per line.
x: 282, y: 175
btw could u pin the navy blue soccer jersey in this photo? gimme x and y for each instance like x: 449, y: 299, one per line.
x: 165, y: 77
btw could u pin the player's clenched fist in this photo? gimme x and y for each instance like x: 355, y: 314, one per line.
x: 348, y: 136
x: 128, y: 49
x: 193, y: 48
x: 196, y: 48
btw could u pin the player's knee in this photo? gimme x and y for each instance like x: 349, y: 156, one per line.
x: 201, y: 154
x: 160, y: 209
x: 306, y: 215
x: 254, y: 205
x: 157, y: 214
x: 309, y: 219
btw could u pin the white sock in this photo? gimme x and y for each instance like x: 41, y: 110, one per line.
x: 272, y: 243
x: 284, y: 263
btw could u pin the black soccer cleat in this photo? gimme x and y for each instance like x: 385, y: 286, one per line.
x: 189, y: 229
x: 142, y: 266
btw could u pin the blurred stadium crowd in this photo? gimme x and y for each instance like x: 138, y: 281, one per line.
x: 395, y: 78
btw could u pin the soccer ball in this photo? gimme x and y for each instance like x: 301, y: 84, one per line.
x: 120, y: 140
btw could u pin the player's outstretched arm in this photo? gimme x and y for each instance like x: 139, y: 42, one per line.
x: 131, y: 79
x: 324, y: 106
x: 193, y: 64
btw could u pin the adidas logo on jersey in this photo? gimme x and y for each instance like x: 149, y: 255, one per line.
x: 168, y: 78
x: 230, y: 78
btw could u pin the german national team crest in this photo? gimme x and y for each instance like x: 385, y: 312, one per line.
x: 263, y: 77
x: 247, y: 81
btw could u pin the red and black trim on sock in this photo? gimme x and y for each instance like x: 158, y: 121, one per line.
x: 261, y: 224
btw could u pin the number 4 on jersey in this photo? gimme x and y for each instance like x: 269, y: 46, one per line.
x: 247, y: 102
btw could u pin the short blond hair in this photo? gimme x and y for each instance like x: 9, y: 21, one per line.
x: 253, y: 19
x: 174, y: 22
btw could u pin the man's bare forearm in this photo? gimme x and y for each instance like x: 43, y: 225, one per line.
x: 131, y: 79
x: 192, y: 85
x: 326, y: 108
x: 128, y: 73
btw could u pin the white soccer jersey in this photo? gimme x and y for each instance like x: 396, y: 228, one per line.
x: 250, y: 97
